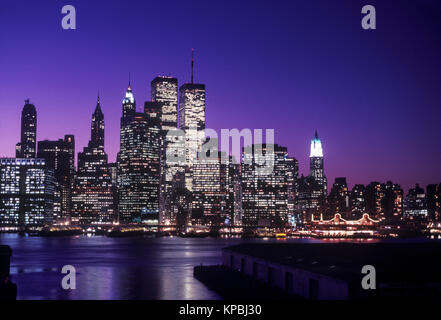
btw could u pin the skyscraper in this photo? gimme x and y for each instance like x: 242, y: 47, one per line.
x: 209, y: 191
x: 357, y: 201
x: 59, y: 156
x: 92, y: 196
x: 266, y: 187
x: 97, y: 128
x: 339, y: 198
x: 311, y: 191
x: 26, y: 148
x: 434, y: 201
x: 165, y: 90
x: 153, y: 114
x: 192, y: 121
x: 393, y: 201
x: 316, y: 164
x: 374, y: 195
x: 415, y: 204
x: 26, y: 193
x: 138, y: 160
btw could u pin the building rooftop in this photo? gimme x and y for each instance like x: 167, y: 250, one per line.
x: 394, y: 262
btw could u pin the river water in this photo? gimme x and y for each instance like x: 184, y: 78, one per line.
x: 117, y: 268
x: 113, y: 268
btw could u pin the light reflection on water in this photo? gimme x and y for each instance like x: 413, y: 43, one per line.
x: 109, y: 268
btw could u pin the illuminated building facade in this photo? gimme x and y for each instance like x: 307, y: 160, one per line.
x: 165, y: 90
x: 232, y: 202
x: 92, y: 196
x: 434, y: 201
x: 213, y: 189
x: 208, y: 192
x: 311, y: 191
x: 132, y: 169
x: 267, y: 183
x: 357, y: 201
x: 235, y: 183
x: 132, y: 164
x: 309, y: 200
x: 316, y: 164
x: 192, y: 121
x: 59, y: 156
x: 339, y: 198
x: 26, y: 148
x: 374, y: 195
x: 139, y: 160
x: 153, y: 114
x: 338, y: 227
x: 113, y: 170
x: 27, y: 189
x: 415, y: 204
x: 392, y: 202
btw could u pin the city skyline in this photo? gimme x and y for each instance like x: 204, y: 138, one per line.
x: 306, y: 161
x: 188, y: 151
x: 396, y: 107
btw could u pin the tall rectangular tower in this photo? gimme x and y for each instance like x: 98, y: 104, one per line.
x: 192, y: 121
x: 59, y: 156
x: 316, y: 165
x: 165, y: 90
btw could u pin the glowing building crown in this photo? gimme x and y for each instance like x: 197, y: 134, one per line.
x: 129, y: 98
x: 316, y: 147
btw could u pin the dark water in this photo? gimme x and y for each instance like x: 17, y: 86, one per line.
x: 116, y: 268
x: 110, y: 268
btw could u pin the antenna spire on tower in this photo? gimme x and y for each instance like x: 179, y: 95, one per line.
x: 192, y: 64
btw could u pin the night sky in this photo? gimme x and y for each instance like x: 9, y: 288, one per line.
x: 295, y: 66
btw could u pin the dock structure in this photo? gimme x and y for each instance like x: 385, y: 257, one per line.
x: 8, y: 290
x: 333, y: 271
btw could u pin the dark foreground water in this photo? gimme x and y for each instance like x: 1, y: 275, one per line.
x: 116, y: 268
x: 113, y: 268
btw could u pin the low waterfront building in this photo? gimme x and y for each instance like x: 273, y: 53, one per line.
x: 337, y: 227
x: 333, y: 271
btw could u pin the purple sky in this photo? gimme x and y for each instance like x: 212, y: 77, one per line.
x: 295, y: 66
